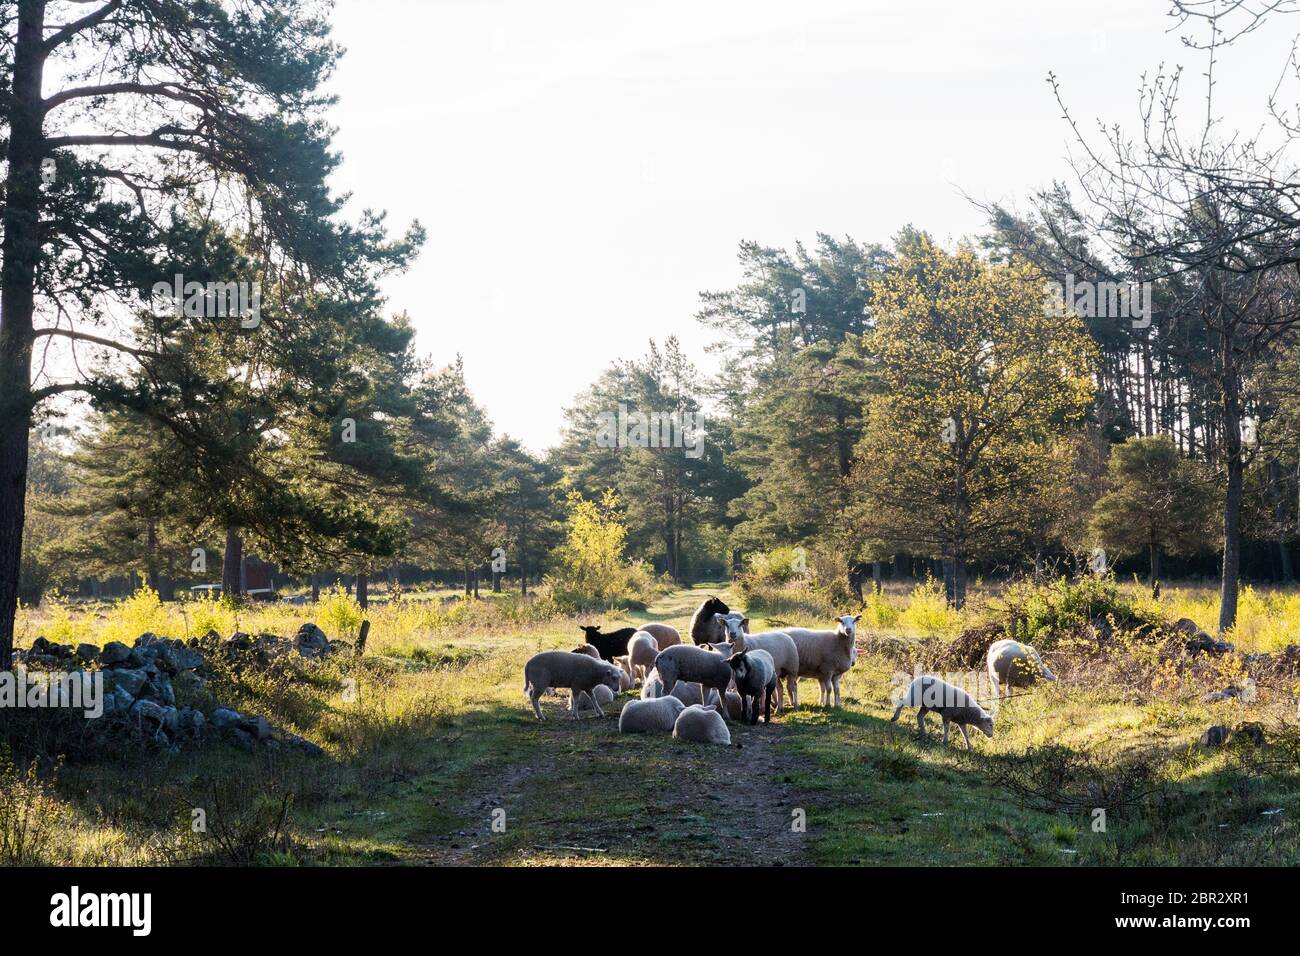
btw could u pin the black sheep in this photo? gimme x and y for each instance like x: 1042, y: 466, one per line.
x: 611, y: 645
x: 703, y: 630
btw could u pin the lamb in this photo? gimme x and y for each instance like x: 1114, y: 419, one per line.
x: 665, y: 635
x: 650, y: 716
x: 611, y: 645
x: 702, y: 725
x: 690, y: 694
x: 653, y: 686
x: 578, y: 672
x: 827, y: 654
x: 735, y: 706
x: 779, y: 644
x: 625, y: 681
x: 951, y: 703
x: 1012, y: 664
x: 600, y: 694
x: 641, y: 653
x: 755, y: 679
x: 704, y: 629
x: 694, y: 665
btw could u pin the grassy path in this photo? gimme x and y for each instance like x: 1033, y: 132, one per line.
x: 579, y: 792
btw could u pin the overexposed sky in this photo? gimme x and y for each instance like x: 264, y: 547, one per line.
x: 585, y: 168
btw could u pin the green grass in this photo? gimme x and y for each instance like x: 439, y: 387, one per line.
x: 441, y: 736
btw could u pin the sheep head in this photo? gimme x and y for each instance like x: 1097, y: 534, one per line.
x: 734, y: 627
x: 847, y: 628
x: 613, y: 678
x: 591, y: 630
x: 740, y: 664
x: 986, y: 725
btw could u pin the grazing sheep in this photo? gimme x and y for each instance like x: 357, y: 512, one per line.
x: 779, y: 644
x: 665, y: 635
x: 755, y: 680
x: 1012, y: 664
x: 951, y: 703
x: 578, y: 672
x: 650, y: 716
x: 653, y: 686
x: 704, y: 629
x: 611, y: 645
x: 696, y: 665
x: 826, y: 654
x: 641, y: 653
x: 702, y: 725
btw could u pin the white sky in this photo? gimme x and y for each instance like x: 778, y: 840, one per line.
x: 584, y: 167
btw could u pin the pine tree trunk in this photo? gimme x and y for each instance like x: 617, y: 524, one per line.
x: 1155, y: 564
x: 315, y: 587
x: 20, y: 253
x: 363, y: 591
x: 1232, y: 501
x: 232, y: 563
x: 1279, y: 517
x: 152, y: 560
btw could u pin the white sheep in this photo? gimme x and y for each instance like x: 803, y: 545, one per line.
x: 702, y: 725
x: 1012, y: 664
x: 577, y: 672
x: 779, y: 644
x: 826, y: 655
x: 665, y: 635
x: 650, y: 716
x: 951, y: 703
x: 690, y: 694
x: 653, y: 686
x: 641, y: 653
x: 600, y: 694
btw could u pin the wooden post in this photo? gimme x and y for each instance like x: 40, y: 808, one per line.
x: 361, y: 638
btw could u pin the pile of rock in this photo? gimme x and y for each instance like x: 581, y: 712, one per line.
x: 1198, y: 641
x: 140, y: 683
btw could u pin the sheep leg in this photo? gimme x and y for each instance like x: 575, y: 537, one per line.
x: 767, y: 717
x: 537, y: 708
x: 835, y: 682
x: 964, y: 734
x: 792, y: 682
x: 945, y: 731
x: 920, y: 723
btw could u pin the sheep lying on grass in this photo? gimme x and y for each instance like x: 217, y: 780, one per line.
x: 778, y: 644
x: 600, y: 694
x: 704, y: 629
x: 755, y: 680
x: 665, y: 635
x: 694, y: 665
x: 641, y: 653
x: 702, y: 725
x: 1012, y: 664
x: 650, y: 716
x: 735, y: 707
x: 577, y: 672
x: 653, y: 686
x: 690, y: 694
x: 611, y: 645
x: 951, y: 703
x: 826, y: 655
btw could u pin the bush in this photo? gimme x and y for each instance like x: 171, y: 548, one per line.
x: 591, y: 572
x: 339, y: 614
x: 29, y: 816
x: 928, y: 611
x: 1042, y: 613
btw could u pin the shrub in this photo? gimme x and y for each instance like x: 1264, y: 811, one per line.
x: 29, y: 816
x: 928, y: 611
x: 142, y: 611
x: 591, y: 572
x: 339, y: 613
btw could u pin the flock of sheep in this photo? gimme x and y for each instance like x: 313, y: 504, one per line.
x: 727, y: 673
